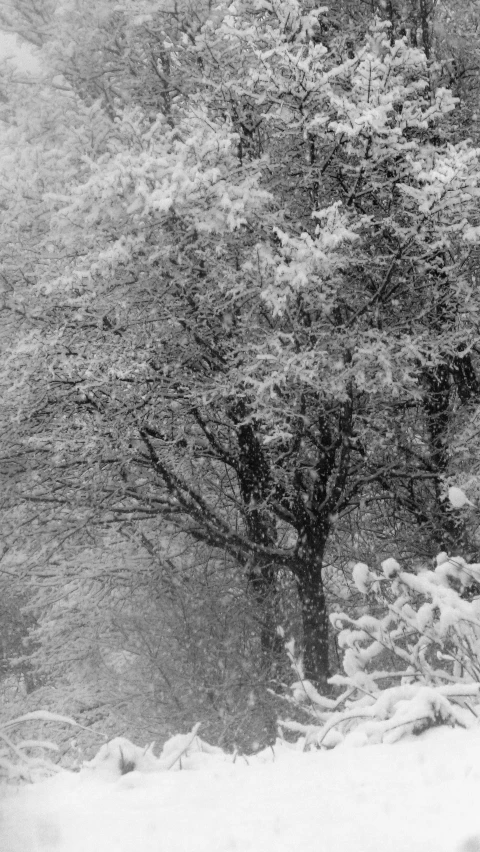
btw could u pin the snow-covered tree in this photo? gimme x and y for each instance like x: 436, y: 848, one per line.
x: 244, y: 305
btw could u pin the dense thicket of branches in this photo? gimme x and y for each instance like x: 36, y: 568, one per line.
x: 240, y: 301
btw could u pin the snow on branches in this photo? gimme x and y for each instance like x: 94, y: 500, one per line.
x: 25, y: 759
x: 410, y: 663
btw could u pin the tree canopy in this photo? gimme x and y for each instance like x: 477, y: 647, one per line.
x: 240, y: 301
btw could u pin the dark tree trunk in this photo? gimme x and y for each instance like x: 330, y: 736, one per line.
x: 311, y: 592
x: 253, y: 473
x: 314, y: 622
x: 316, y: 501
x: 263, y: 585
x: 437, y: 404
x: 426, y: 16
x: 465, y: 378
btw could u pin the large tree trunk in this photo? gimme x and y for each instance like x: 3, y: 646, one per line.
x: 315, y: 621
x: 263, y: 585
x: 253, y: 473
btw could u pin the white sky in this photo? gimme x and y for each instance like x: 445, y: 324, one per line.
x: 24, y: 56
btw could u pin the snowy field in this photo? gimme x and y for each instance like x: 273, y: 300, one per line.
x: 419, y: 795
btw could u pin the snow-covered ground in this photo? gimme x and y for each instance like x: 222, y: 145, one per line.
x: 418, y: 795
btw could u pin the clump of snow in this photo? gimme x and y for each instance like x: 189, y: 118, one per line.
x: 390, y: 567
x: 361, y: 575
x: 458, y: 499
x: 119, y: 757
x: 188, y: 751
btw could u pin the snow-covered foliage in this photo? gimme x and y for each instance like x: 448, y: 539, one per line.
x: 236, y: 267
x: 182, y: 751
x: 430, y: 627
x: 24, y: 759
x: 410, y: 662
x: 28, y: 760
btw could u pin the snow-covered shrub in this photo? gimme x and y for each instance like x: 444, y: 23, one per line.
x: 23, y: 759
x: 183, y: 751
x: 412, y: 661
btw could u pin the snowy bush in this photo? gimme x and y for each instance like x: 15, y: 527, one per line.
x: 182, y: 751
x: 411, y: 663
x: 28, y: 760
x: 24, y: 759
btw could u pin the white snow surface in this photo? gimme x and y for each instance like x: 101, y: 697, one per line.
x: 418, y: 795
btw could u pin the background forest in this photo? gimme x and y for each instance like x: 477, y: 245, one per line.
x: 239, y: 353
